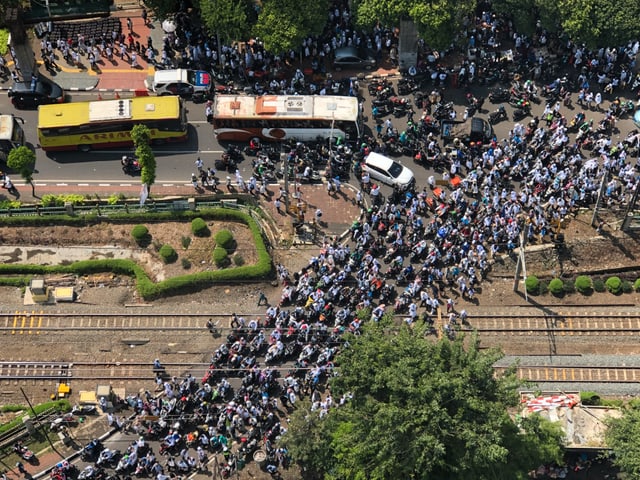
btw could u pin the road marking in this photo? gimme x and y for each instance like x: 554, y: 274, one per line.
x: 83, y: 185
x: 177, y: 152
x: 104, y: 184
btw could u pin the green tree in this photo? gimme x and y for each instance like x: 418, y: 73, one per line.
x: 228, y: 18
x: 22, y: 160
x: 283, y: 24
x: 162, y: 8
x: 623, y: 437
x: 438, y: 21
x: 420, y: 410
x: 141, y: 136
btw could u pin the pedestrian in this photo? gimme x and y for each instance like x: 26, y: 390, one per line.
x: 194, y: 181
x: 144, y: 16
x: 379, y: 129
x: 318, y: 216
x: 123, y: 51
x: 263, y: 298
x: 199, y: 164
x: 134, y: 60
x: 598, y: 100
x: 450, y: 304
x: 208, y: 111
x: 278, y: 204
x: 129, y: 25
x: 21, y: 468
x: 359, y: 198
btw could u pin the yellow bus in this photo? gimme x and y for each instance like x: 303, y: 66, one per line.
x: 107, y: 123
x: 239, y: 118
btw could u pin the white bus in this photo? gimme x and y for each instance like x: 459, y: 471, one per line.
x: 280, y: 117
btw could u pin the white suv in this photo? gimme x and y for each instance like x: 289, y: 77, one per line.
x: 389, y: 171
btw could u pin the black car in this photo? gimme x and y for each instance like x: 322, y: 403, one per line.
x: 39, y: 91
x: 351, y: 57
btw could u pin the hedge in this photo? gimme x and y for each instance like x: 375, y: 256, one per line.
x: 599, y: 286
x: 145, y: 286
x: 60, y: 405
x: 636, y: 285
x: 199, y: 227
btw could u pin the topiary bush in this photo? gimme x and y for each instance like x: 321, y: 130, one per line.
x: 168, y: 253
x: 199, y: 227
x: 532, y: 284
x: 614, y: 285
x: 224, y: 239
x: 238, y: 260
x: 599, y: 286
x: 186, y: 241
x: 543, y: 288
x: 556, y: 286
x: 583, y: 284
x: 220, y: 257
x: 186, y: 264
x: 627, y: 286
x: 636, y: 285
x: 140, y: 234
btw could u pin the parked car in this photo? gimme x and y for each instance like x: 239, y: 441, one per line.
x: 351, y: 57
x: 389, y: 171
x: 32, y: 94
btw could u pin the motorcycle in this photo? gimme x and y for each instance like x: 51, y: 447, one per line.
x: 499, y: 95
x: 82, y: 410
x: 130, y: 166
x: 498, y: 115
x: 91, y: 450
x: 23, y: 452
x: 66, y: 420
x: 107, y: 457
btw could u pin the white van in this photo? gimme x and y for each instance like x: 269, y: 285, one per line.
x: 388, y: 171
x: 181, y: 81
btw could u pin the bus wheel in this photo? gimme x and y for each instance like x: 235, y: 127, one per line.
x: 84, y: 148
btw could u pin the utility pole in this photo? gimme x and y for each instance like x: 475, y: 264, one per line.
x: 521, y: 265
x: 284, y: 158
x: 39, y: 425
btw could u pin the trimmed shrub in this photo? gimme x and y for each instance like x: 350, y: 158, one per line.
x: 532, y: 284
x: 556, y: 286
x: 186, y: 264
x: 614, y: 285
x: 627, y: 286
x: 636, y: 285
x: 168, y: 253
x: 238, y: 260
x: 224, y: 239
x: 140, y: 234
x: 583, y: 284
x: 543, y: 288
x: 199, y: 227
x: 590, y: 398
x: 568, y: 286
x: 220, y: 257
x: 186, y: 241
x: 599, y: 286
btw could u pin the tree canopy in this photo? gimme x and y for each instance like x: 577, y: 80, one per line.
x: 228, y: 18
x: 22, y: 160
x: 623, y: 437
x: 597, y: 23
x: 141, y: 137
x: 283, y: 24
x: 422, y: 410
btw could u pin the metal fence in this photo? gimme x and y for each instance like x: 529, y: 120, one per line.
x: 105, y: 210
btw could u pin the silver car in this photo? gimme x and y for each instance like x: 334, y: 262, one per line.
x: 351, y: 57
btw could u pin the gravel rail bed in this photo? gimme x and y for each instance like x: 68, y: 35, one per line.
x: 588, y: 360
x: 602, y: 389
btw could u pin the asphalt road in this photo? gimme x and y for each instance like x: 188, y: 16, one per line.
x: 175, y: 163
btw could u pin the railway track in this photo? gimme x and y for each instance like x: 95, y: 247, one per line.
x: 573, y: 374
x: 623, y: 324
x: 36, y: 323
x: 131, y: 371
